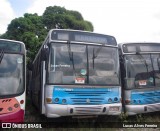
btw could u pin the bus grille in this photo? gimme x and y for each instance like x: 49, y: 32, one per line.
x: 151, y: 97
x: 85, y: 97
x: 152, y: 100
x: 88, y: 110
x: 83, y: 101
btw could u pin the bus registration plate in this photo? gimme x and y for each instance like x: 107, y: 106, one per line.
x: 114, y: 108
x: 80, y: 80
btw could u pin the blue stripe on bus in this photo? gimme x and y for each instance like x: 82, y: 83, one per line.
x: 85, y: 96
x: 146, y: 97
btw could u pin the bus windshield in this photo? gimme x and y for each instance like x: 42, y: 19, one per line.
x: 142, y: 70
x: 11, y: 72
x: 83, y: 64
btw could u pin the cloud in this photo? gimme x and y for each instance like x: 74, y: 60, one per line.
x: 39, y: 6
x: 6, y: 15
x: 127, y: 20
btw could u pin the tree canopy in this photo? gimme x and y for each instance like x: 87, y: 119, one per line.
x: 57, y: 17
x: 32, y: 29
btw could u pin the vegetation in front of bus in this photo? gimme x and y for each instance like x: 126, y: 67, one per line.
x: 32, y: 28
x: 149, y: 117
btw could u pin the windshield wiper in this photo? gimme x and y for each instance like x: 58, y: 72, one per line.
x: 71, y: 56
x: 1, y: 55
x: 95, y: 54
x: 146, y: 65
x: 158, y: 62
x: 142, y: 58
x: 153, y: 72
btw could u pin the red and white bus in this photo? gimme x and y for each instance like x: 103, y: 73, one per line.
x: 12, y: 81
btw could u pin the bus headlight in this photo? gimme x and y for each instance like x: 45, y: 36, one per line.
x: 115, y: 99
x: 16, y: 105
x: 64, y: 101
x: 139, y: 101
x: 134, y: 101
x: 9, y: 108
x: 56, y: 100
x: 110, y: 100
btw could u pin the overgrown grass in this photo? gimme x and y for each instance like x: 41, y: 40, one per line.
x: 149, y: 117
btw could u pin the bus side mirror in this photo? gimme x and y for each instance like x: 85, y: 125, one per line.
x: 121, y: 59
x: 45, y: 53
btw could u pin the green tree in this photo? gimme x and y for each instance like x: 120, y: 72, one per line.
x: 59, y: 17
x: 29, y: 29
x: 32, y: 29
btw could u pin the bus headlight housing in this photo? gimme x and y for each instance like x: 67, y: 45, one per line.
x: 48, y: 94
x: 109, y: 100
x: 10, y: 109
x: 48, y: 100
x: 64, y: 101
x: 115, y: 99
x: 16, y: 105
x: 56, y: 100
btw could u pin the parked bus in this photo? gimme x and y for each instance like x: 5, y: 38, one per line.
x: 140, y: 69
x: 76, y: 73
x: 12, y: 80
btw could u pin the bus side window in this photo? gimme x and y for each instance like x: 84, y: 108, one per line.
x: 52, y: 59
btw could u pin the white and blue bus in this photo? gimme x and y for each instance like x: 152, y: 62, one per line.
x: 140, y: 70
x: 76, y: 73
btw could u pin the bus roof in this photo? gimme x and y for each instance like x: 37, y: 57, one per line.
x: 50, y: 38
x: 143, y: 47
x: 138, y: 43
x: 3, y: 42
x: 81, y: 37
x: 12, y: 41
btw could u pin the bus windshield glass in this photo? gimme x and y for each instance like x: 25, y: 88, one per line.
x: 11, y: 72
x: 10, y: 46
x: 83, y: 64
x: 142, y: 70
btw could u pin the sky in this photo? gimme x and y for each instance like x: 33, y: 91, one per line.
x: 127, y: 20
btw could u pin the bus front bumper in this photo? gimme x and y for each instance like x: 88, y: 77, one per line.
x: 138, y: 109
x: 15, y: 117
x: 56, y: 110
